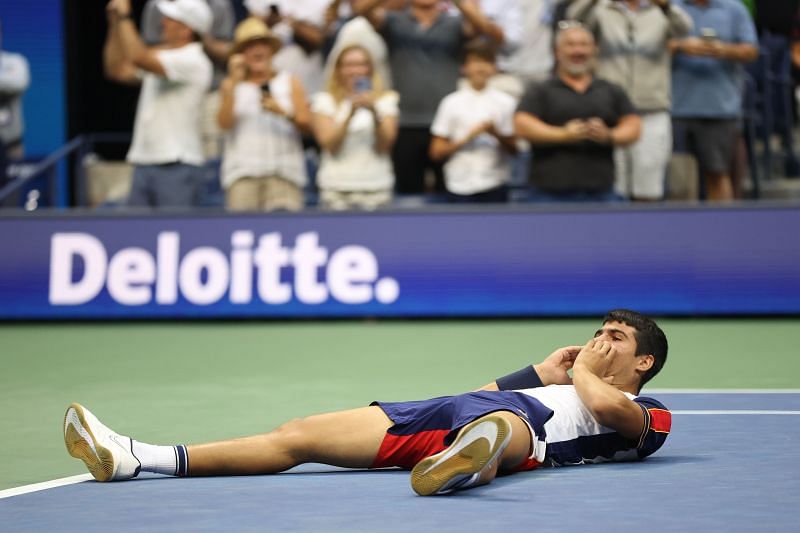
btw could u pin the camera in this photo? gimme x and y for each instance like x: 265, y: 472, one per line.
x: 708, y: 34
x: 363, y: 85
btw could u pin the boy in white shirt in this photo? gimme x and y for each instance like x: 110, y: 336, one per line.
x: 474, y: 131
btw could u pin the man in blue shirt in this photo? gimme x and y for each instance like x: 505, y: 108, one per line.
x: 707, y: 81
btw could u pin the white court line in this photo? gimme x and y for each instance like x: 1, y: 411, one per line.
x: 732, y: 412
x: 25, y: 489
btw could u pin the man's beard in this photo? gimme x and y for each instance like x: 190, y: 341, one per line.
x: 578, y: 69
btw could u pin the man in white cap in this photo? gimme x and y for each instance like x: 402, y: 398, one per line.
x: 166, y: 151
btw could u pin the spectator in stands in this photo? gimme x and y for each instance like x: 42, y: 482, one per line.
x: 633, y: 39
x: 574, y: 121
x: 775, y: 21
x: 167, y: 149
x: 344, y: 29
x: 707, y: 80
x: 533, y: 58
x: 217, y: 42
x: 507, y: 15
x: 264, y: 111
x: 355, y: 124
x: 14, y: 81
x: 424, y: 44
x: 300, y: 26
x: 474, y: 131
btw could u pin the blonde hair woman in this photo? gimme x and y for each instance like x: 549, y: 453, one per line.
x: 355, y: 123
x: 264, y: 112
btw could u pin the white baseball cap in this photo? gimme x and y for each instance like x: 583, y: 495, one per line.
x: 194, y: 13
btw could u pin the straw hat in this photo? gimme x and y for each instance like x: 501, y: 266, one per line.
x: 251, y: 30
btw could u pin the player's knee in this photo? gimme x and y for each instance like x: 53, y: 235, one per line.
x: 294, y: 438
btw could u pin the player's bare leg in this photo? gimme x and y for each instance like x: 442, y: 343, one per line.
x: 346, y: 438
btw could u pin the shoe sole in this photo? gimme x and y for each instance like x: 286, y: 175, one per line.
x: 84, y: 446
x: 428, y: 477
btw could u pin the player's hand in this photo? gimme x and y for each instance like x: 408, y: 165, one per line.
x: 553, y: 370
x: 596, y: 356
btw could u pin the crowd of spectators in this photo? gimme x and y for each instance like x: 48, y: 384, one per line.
x: 581, y: 100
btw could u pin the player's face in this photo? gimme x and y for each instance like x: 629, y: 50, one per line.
x: 623, y: 338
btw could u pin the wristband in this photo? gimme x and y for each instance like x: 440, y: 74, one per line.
x: 527, y: 378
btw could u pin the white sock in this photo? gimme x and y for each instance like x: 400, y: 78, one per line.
x: 168, y: 460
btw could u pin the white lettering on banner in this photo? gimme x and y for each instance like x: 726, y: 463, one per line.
x: 205, y: 274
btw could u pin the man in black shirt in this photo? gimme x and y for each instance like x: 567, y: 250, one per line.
x: 573, y: 122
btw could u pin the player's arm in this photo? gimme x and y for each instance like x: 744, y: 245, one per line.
x: 608, y: 405
x: 552, y: 371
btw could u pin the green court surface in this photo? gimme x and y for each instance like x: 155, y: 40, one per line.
x: 170, y: 382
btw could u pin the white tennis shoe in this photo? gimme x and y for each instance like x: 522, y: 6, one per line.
x: 107, y: 455
x: 474, y: 451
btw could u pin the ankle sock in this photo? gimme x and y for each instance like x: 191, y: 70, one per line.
x: 168, y: 460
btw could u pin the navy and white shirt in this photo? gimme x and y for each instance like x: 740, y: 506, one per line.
x: 573, y: 436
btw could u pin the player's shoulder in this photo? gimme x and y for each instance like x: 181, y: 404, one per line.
x: 650, y: 403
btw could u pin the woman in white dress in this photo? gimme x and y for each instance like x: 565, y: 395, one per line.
x: 264, y: 113
x: 355, y: 125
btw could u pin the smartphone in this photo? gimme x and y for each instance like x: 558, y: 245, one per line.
x: 265, y: 89
x: 708, y: 34
x: 363, y: 85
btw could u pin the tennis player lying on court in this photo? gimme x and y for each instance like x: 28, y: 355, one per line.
x: 536, y: 416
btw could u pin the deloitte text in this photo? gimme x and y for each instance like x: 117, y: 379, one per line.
x: 205, y: 275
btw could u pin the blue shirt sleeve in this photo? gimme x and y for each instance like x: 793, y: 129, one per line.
x: 658, y: 422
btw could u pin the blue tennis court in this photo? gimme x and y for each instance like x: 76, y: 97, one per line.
x: 727, y: 466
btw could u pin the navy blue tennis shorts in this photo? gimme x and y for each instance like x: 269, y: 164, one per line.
x: 426, y: 427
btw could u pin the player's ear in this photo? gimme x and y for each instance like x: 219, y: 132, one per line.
x: 644, y: 362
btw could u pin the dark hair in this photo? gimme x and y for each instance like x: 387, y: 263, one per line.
x: 650, y: 340
x: 480, y: 48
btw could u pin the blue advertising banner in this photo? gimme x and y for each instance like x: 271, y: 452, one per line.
x: 734, y: 260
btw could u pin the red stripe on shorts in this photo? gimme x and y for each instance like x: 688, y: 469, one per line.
x: 407, y: 450
x: 527, y: 464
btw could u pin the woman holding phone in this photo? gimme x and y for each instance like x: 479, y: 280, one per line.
x: 264, y: 112
x: 355, y: 123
